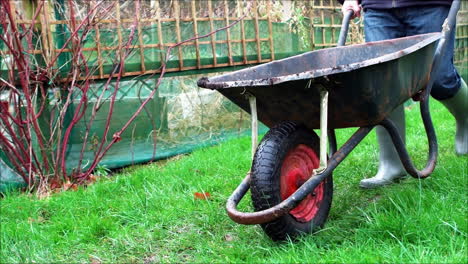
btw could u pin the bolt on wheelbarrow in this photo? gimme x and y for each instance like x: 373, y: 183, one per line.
x: 347, y: 86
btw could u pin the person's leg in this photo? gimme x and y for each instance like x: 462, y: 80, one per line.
x: 390, y: 166
x: 448, y: 88
x: 382, y: 25
x: 458, y: 107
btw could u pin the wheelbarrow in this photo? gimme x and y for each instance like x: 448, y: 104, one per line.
x: 347, y: 86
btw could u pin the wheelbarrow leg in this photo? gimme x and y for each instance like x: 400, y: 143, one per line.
x: 323, y: 129
x: 254, y: 122
x: 390, y: 166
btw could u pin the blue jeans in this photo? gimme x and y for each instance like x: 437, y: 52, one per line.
x: 382, y: 24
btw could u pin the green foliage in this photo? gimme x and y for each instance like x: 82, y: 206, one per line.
x: 149, y: 213
x: 300, y: 25
x: 102, y: 170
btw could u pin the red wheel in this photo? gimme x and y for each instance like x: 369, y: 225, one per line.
x: 285, y: 159
x: 298, y: 166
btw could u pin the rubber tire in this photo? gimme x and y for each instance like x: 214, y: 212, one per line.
x: 265, y: 181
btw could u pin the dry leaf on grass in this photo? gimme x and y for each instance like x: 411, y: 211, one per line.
x: 70, y: 186
x: 202, y: 196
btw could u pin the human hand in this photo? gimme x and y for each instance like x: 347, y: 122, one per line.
x: 351, y: 5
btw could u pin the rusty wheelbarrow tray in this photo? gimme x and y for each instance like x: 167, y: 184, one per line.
x: 352, y: 86
x: 366, y: 82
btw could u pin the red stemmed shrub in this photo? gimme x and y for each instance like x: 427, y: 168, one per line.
x: 30, y: 83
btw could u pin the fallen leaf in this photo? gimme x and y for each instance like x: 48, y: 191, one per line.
x: 149, y: 260
x: 92, y: 179
x: 94, y: 259
x: 68, y: 185
x: 43, y: 193
x: 55, y: 184
x: 202, y: 196
x: 40, y: 219
x: 228, y: 238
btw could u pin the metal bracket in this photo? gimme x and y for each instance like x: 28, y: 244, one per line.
x: 254, y: 121
x: 323, y: 130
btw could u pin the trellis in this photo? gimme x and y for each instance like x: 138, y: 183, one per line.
x: 258, y: 38
x: 461, y: 46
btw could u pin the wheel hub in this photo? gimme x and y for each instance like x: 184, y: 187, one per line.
x: 297, y: 168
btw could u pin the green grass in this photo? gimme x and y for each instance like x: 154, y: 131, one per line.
x: 148, y: 214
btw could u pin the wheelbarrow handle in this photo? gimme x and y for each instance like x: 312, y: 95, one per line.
x: 447, y: 28
x: 452, y: 16
x: 344, y: 27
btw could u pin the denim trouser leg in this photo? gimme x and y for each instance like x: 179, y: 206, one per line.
x: 401, y: 22
x: 382, y: 25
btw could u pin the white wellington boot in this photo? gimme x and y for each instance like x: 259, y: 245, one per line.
x: 458, y: 107
x: 390, y: 166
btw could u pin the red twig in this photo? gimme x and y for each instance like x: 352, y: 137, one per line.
x: 16, y: 141
x: 98, y: 156
x: 22, y: 63
x: 74, y: 33
x: 82, y: 104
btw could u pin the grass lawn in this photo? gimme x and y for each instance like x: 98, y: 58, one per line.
x: 148, y: 213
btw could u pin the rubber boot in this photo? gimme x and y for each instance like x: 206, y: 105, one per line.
x: 390, y: 166
x: 458, y: 107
